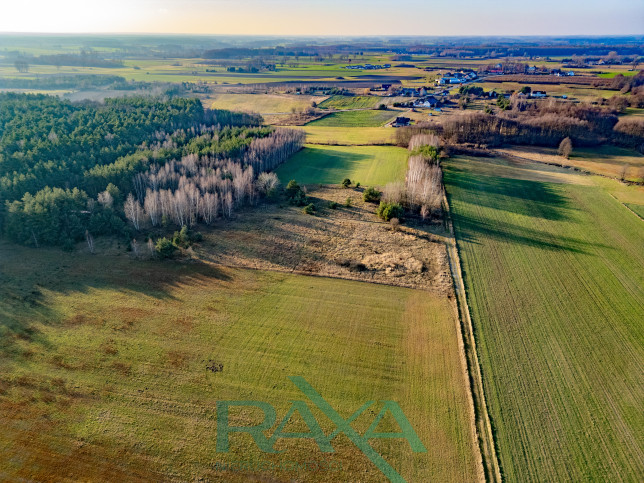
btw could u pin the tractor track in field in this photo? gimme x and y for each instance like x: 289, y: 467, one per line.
x: 483, y: 426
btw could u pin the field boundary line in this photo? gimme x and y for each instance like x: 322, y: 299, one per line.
x: 295, y: 271
x: 625, y: 206
x: 483, y: 426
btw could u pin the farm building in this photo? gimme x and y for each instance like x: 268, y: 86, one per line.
x: 401, y: 121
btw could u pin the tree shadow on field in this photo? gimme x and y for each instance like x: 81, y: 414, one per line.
x: 28, y: 275
x: 543, y: 202
x: 323, y: 166
x: 529, y: 198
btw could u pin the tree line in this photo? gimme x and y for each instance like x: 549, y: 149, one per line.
x: 542, y: 123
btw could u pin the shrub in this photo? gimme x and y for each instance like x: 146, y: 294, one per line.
x: 428, y: 152
x: 164, y: 248
x: 299, y: 199
x: 503, y: 103
x: 333, y: 205
x: 371, y: 195
x: 295, y: 193
x: 348, y: 202
x: 357, y: 185
x: 292, y: 188
x: 309, y: 209
x: 181, y: 238
x: 387, y: 211
x: 346, y: 182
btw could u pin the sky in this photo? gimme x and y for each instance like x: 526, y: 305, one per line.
x: 326, y: 17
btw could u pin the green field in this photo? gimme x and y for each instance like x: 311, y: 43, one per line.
x: 352, y: 102
x: 554, y: 276
x: 104, y: 373
x: 369, y: 165
x: 639, y: 209
x: 625, y: 73
x: 347, y: 135
x: 366, y: 118
x: 633, y: 112
x: 261, y: 103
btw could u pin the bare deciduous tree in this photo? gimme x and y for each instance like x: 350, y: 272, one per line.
x: 267, y: 182
x: 105, y: 199
x: 90, y: 241
x: 228, y: 204
x: 393, y: 193
x: 424, y: 184
x: 419, y: 140
x: 198, y: 188
x: 133, y: 211
x: 565, y: 148
x: 152, y: 206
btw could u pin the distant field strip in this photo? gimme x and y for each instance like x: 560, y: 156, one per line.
x: 261, y: 103
x: 554, y: 275
x: 368, y: 165
x: 347, y: 136
x: 352, y: 102
x: 115, y: 374
x: 608, y: 161
x: 368, y: 118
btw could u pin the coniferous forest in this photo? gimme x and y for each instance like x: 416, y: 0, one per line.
x: 72, y: 169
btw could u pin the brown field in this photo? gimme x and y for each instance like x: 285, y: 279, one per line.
x: 551, y: 79
x: 574, y: 92
x: 347, y: 242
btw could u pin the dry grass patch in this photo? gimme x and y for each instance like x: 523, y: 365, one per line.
x: 347, y: 242
x: 608, y: 161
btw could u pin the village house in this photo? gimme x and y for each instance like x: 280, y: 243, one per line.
x: 430, y: 101
x: 409, y: 92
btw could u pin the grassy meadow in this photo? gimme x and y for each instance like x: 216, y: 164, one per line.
x: 365, y: 118
x: 352, y: 102
x: 368, y: 165
x: 108, y: 374
x: 347, y: 135
x: 554, y: 274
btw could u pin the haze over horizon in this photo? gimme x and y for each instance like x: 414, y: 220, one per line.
x: 328, y: 17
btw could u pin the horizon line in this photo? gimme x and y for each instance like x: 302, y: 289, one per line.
x: 621, y: 35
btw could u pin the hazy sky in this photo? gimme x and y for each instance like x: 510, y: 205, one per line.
x: 327, y: 17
